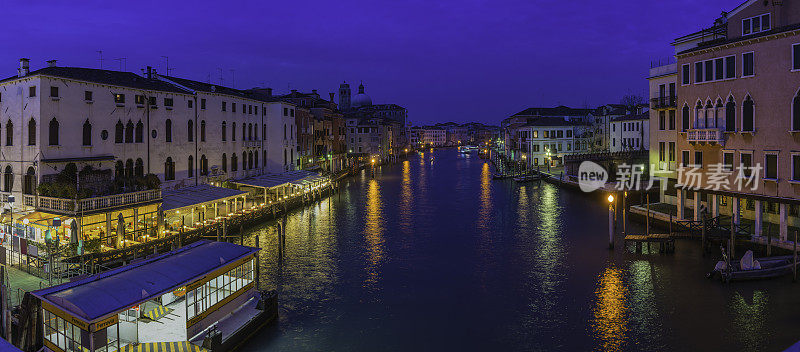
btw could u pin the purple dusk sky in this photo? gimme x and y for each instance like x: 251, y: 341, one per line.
x: 444, y: 61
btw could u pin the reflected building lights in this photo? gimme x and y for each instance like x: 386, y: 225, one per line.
x: 609, y: 324
x: 373, y: 233
x: 406, y: 197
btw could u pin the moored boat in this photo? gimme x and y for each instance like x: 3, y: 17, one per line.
x: 749, y: 268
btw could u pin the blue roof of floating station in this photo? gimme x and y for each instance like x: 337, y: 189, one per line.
x: 112, y: 291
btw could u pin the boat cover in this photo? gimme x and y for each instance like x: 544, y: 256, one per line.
x: 748, y: 262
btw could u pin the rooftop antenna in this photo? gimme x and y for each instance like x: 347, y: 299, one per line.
x: 167, y: 64
x: 233, y: 78
x: 221, y: 78
x: 101, y: 58
x: 208, y: 79
x: 123, y: 63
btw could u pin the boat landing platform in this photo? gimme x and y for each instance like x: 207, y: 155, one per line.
x: 665, y: 241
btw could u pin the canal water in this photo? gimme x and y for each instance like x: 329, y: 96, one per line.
x: 432, y: 254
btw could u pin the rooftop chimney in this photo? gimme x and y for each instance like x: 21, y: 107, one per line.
x: 24, y: 67
x: 269, y: 92
x: 51, y: 63
x: 149, y: 72
x: 313, y: 91
x: 331, y: 95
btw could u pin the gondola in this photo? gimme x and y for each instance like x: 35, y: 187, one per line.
x: 767, y: 268
x: 501, y: 176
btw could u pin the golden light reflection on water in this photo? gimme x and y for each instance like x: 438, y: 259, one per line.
x: 406, y: 196
x: 609, y: 324
x: 373, y: 233
x: 485, y: 211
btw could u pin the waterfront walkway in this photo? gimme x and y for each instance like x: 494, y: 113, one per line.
x: 769, y: 230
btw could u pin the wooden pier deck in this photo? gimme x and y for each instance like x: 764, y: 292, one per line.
x: 665, y: 241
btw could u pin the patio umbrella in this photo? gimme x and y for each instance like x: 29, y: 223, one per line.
x: 73, y: 229
x: 120, y: 229
x: 160, y: 219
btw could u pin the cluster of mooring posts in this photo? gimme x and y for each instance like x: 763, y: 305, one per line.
x: 665, y: 241
x: 710, y: 231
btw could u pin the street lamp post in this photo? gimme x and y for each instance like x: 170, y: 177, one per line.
x: 610, y: 221
x: 373, y: 167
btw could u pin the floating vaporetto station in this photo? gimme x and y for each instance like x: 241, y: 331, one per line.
x: 201, y: 296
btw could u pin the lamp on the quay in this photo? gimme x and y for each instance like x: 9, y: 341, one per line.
x: 611, y: 221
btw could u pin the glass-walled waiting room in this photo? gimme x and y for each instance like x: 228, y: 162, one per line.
x: 205, y: 297
x: 169, y: 298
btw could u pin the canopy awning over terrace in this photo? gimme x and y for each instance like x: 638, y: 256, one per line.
x: 197, y: 195
x: 276, y: 180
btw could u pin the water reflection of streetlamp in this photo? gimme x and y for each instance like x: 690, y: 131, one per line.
x: 611, y: 221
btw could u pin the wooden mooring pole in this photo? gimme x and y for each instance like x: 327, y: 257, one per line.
x: 703, y: 236
x: 794, y: 258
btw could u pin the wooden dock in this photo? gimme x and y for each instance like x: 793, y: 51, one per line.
x: 665, y: 241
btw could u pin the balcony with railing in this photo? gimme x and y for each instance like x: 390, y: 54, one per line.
x: 705, y: 135
x: 88, y: 205
x: 665, y: 102
x: 251, y: 144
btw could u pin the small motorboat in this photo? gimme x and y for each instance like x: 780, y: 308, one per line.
x: 749, y: 268
x: 497, y: 176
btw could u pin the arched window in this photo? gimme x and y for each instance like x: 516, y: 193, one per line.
x: 190, y: 131
x: 203, y: 165
x: 129, y: 168
x: 255, y: 132
x: 244, y: 131
x: 234, y: 162
x: 685, y: 118
x: 255, y: 159
x: 119, y: 132
x: 224, y: 137
x: 129, y: 132
x: 796, y: 112
x: 138, y: 169
x: 8, y: 179
x: 29, y: 181
x: 233, y: 131
x: 169, y: 169
x: 119, y: 170
x: 203, y: 131
x: 284, y: 157
x: 250, y: 160
x: 250, y: 131
x: 87, y: 133
x: 191, y: 166
x: 748, y: 114
x: 244, y: 161
x: 718, y: 117
x: 708, y: 120
x: 224, y: 162
x: 32, y: 131
x: 264, y: 132
x: 139, y: 131
x: 698, y: 115
x: 54, y: 132
x: 168, y: 130
x: 284, y: 133
x: 730, y: 115
x: 264, y: 159
x: 10, y: 133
